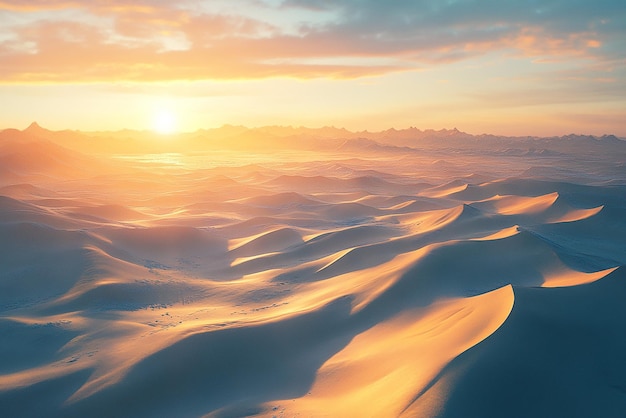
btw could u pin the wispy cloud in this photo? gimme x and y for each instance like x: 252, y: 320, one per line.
x: 60, y: 41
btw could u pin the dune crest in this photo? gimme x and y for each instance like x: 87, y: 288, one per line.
x: 396, y: 360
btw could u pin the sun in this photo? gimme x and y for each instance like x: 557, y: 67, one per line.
x: 164, y: 122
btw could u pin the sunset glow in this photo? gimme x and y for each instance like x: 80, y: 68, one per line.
x: 553, y: 68
x: 164, y: 122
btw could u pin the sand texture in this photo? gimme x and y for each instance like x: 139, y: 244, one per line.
x: 279, y: 272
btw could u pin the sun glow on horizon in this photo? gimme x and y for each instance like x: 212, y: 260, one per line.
x: 164, y: 122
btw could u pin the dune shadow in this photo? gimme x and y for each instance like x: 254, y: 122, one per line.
x: 239, y: 367
x: 44, y: 399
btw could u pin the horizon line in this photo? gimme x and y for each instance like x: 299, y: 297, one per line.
x: 35, y: 125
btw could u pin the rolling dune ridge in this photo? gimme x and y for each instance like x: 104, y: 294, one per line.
x: 442, y: 277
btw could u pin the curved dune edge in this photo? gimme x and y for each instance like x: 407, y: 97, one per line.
x: 274, y: 238
x: 538, y: 346
x: 575, y: 278
x: 577, y: 215
x: 518, y: 205
x: 501, y: 234
x: 396, y: 360
x: 444, y: 190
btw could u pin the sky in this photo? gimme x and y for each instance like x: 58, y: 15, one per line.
x: 509, y: 67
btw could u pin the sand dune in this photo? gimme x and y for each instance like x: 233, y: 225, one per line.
x: 410, y: 273
x: 570, y: 348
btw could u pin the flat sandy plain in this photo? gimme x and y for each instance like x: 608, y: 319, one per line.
x: 313, y: 273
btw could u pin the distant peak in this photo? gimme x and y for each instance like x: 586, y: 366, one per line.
x: 34, y: 127
x: 610, y: 138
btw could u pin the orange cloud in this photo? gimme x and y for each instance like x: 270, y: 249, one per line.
x: 159, y: 40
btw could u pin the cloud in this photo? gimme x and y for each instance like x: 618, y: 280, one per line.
x: 57, y: 41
